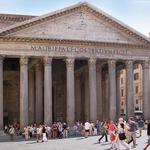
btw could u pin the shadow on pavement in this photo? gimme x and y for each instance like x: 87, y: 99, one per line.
x: 81, y: 138
x: 34, y: 142
x: 6, y: 138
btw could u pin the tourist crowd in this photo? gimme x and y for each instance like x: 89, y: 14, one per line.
x: 120, y: 133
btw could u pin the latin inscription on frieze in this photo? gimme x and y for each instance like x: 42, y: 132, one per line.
x: 77, y: 50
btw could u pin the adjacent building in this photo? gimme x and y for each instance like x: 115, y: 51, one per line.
x: 138, y: 90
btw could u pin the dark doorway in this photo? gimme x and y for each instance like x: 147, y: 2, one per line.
x: 11, y: 86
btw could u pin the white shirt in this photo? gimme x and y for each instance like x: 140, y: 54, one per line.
x: 87, y: 126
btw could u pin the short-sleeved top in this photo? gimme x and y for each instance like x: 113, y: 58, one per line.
x: 112, y: 127
x: 87, y: 126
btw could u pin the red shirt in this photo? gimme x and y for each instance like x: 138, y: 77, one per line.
x: 112, y: 127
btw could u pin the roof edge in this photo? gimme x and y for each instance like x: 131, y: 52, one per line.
x: 42, y: 17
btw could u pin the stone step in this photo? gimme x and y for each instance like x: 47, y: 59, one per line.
x: 2, y: 132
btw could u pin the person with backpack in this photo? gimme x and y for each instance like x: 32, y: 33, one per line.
x: 122, y: 136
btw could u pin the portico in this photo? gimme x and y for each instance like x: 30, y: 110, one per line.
x: 70, y: 73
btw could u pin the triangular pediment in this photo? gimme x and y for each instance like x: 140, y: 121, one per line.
x: 78, y: 22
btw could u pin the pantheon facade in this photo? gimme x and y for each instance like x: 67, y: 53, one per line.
x: 65, y: 65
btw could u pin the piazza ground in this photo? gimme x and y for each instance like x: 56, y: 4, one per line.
x: 77, y: 143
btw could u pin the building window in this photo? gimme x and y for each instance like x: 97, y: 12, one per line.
x: 137, y: 101
x: 137, y: 108
x: 136, y: 76
x: 136, y: 89
x: 122, y: 103
x: 122, y: 92
x: 121, y: 80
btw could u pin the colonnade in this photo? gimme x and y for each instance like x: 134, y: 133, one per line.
x: 95, y: 83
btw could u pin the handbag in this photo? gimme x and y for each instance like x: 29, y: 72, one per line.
x: 113, y: 137
x: 122, y: 136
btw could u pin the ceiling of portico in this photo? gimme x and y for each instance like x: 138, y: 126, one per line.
x: 78, y: 22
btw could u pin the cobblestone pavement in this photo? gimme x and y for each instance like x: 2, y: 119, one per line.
x: 78, y: 143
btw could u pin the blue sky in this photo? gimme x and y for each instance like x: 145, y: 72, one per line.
x: 135, y: 13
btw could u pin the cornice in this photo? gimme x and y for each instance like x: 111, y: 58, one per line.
x: 117, y: 23
x: 15, y: 18
x: 33, y: 21
x: 69, y: 41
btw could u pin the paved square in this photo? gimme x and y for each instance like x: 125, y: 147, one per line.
x: 78, y: 143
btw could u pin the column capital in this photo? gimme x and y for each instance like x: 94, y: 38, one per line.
x: 47, y: 60
x: 23, y: 60
x: 69, y: 62
x: 92, y: 61
x: 129, y: 64
x: 38, y: 66
x: 98, y: 66
x: 112, y: 62
x: 145, y: 64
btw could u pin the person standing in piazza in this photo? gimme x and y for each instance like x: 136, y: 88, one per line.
x: 12, y: 132
x: 38, y: 133
x: 121, y: 136
x: 103, y: 132
x: 87, y: 129
x: 44, y: 139
x: 54, y: 130
x: 26, y: 133
x: 112, y: 132
x: 65, y: 130
x: 132, y: 127
x: 140, y: 125
x: 148, y: 134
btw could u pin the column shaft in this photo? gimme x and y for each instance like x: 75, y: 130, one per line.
x: 107, y: 102
x: 146, y: 102
x: 31, y: 97
x: 86, y: 96
x: 112, y: 89
x: 39, y: 93
x: 70, y: 91
x: 1, y: 93
x: 92, y: 88
x: 78, y: 98
x: 99, y: 91
x: 47, y: 90
x: 23, y: 92
x: 118, y: 94
x: 129, y: 89
x: 103, y: 96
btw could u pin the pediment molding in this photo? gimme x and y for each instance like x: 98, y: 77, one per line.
x: 74, y: 42
x: 84, y: 6
x: 15, y: 18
